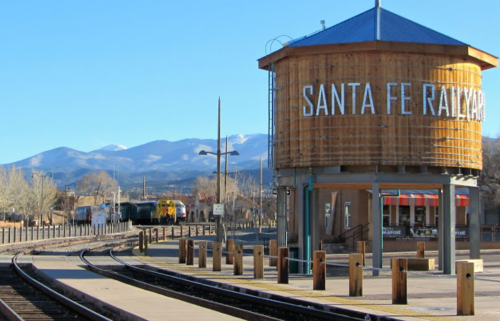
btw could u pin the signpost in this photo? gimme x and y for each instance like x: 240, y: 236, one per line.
x: 218, y: 209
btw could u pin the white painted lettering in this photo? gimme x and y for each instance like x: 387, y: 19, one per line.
x: 443, y: 103
x: 389, y: 97
x: 354, y: 85
x: 340, y: 100
x: 311, y: 106
x: 322, y: 104
x: 428, y: 101
x: 404, y: 98
x: 368, y: 96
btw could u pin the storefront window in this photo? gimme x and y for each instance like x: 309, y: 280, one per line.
x: 404, y: 215
x: 387, y: 215
x: 419, y: 215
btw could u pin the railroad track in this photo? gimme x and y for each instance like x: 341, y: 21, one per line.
x: 248, y: 305
x: 23, y: 297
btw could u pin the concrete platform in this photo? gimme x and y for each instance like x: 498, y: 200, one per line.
x: 135, y: 303
x: 429, y: 297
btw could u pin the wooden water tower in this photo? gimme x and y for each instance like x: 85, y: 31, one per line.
x: 376, y: 102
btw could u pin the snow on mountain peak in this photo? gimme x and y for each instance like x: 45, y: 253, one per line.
x: 113, y: 147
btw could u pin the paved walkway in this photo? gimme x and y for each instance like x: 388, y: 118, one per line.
x: 139, y: 304
x: 430, y: 297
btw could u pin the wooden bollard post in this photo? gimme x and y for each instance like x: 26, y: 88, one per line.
x: 190, y: 252
x: 216, y: 256
x: 150, y: 236
x: 156, y: 235
x: 203, y: 228
x: 181, y: 231
x: 238, y: 259
x: 196, y: 226
x: 362, y: 250
x: 273, y: 251
x: 164, y: 233
x: 420, y: 250
x: 182, y: 251
x: 202, y: 254
x: 141, y: 241
x: 355, y: 275
x: 189, y: 231
x: 283, y: 265
x: 319, y: 270
x: 465, y: 288
x: 258, y: 262
x: 145, y: 245
x: 229, y: 250
x: 209, y: 229
x: 173, y: 232
x: 399, y: 281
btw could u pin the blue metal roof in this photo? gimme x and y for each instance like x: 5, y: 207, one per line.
x: 363, y: 27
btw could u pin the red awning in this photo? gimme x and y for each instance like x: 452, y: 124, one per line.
x: 422, y: 200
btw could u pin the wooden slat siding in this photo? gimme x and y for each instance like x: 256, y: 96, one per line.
x: 477, y: 56
x: 360, y: 139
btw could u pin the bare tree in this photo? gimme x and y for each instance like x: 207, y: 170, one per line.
x: 97, y: 185
x: 44, y: 192
x: 489, y: 180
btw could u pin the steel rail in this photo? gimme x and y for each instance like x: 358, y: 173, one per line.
x: 10, y: 314
x: 237, y: 312
x: 75, y: 306
x: 275, y: 301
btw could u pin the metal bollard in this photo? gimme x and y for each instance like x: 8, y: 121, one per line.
x: 202, y: 254
x: 156, y: 234
x: 355, y: 275
x: 319, y: 270
x: 283, y: 265
x: 258, y: 262
x: 145, y: 245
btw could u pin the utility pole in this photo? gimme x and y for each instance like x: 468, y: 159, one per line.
x: 219, y: 227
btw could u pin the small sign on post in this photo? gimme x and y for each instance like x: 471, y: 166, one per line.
x: 218, y: 209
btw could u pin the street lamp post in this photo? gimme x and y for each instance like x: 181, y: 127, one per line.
x: 218, y: 154
x: 49, y: 174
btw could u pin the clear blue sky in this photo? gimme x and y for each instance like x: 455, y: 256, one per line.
x: 85, y: 74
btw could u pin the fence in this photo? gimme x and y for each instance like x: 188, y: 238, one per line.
x: 399, y: 270
x: 29, y: 233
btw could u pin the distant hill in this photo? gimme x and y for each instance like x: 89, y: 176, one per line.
x: 159, y: 161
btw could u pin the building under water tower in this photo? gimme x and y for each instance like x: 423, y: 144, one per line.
x: 375, y: 125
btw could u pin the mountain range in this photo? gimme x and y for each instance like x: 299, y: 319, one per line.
x: 159, y: 160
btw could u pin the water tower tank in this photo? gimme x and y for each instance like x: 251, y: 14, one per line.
x: 378, y: 90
